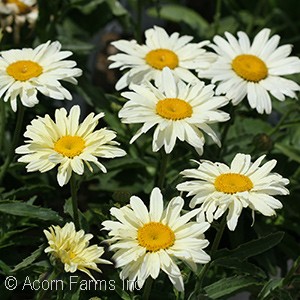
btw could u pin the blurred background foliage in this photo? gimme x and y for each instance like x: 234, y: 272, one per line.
x: 32, y: 202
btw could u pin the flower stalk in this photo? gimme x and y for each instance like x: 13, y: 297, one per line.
x: 164, y: 159
x: 147, y: 288
x: 214, y: 247
x: 14, y: 143
x: 74, y: 198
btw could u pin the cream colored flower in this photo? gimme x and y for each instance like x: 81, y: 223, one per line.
x: 146, y: 62
x: 219, y: 188
x: 253, y: 70
x: 146, y: 242
x: 24, y: 72
x: 14, y: 14
x: 178, y: 110
x: 72, y: 248
x: 67, y: 143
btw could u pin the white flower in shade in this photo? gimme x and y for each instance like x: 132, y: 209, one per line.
x: 253, y: 70
x: 67, y: 143
x: 24, y: 72
x: 219, y: 188
x: 146, y: 62
x: 146, y: 242
x: 178, y: 110
x: 16, y: 6
x: 72, y: 248
x: 15, y: 13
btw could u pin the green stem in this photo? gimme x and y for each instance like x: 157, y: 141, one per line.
x: 53, y: 275
x: 290, y: 123
x: 214, y: 247
x: 163, y: 168
x: 2, y: 123
x: 283, y: 118
x: 225, y: 131
x: 138, y: 27
x: 14, y: 143
x: 147, y: 288
x: 257, y: 12
x: 217, y: 16
x: 74, y: 202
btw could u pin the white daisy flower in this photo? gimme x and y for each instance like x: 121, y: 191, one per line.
x: 178, y: 110
x: 24, y: 72
x: 218, y: 187
x: 16, y: 6
x: 147, y: 241
x: 67, y: 143
x: 253, y: 70
x: 146, y: 62
x: 72, y: 248
x: 15, y: 13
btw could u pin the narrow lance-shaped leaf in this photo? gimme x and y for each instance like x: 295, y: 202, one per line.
x: 30, y: 259
x: 229, y: 285
x: 254, y: 247
x: 27, y: 210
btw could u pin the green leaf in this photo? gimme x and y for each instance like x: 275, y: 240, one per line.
x: 4, y: 268
x: 30, y: 259
x: 284, y: 294
x: 178, y: 13
x: 6, y: 239
x: 116, y: 8
x: 26, y: 191
x: 17, y: 208
x: 229, y: 285
x: 86, y: 7
x: 254, y: 247
x: 289, y: 151
x: 240, y: 266
x: 68, y: 209
x: 271, y: 285
x: 122, y: 293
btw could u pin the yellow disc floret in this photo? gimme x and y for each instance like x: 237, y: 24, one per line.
x: 250, y: 67
x: 232, y: 183
x: 70, y: 146
x: 155, y: 236
x: 23, y: 70
x: 174, y: 109
x: 160, y: 58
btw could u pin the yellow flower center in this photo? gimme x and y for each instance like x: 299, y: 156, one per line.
x: 69, y: 146
x: 23, y: 8
x: 232, y: 183
x: 155, y: 236
x: 160, y: 58
x: 174, y: 109
x: 23, y: 70
x: 72, y: 254
x: 250, y: 67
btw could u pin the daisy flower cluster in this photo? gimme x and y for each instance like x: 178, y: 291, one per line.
x: 179, y: 91
x: 166, y: 96
x: 242, y: 69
